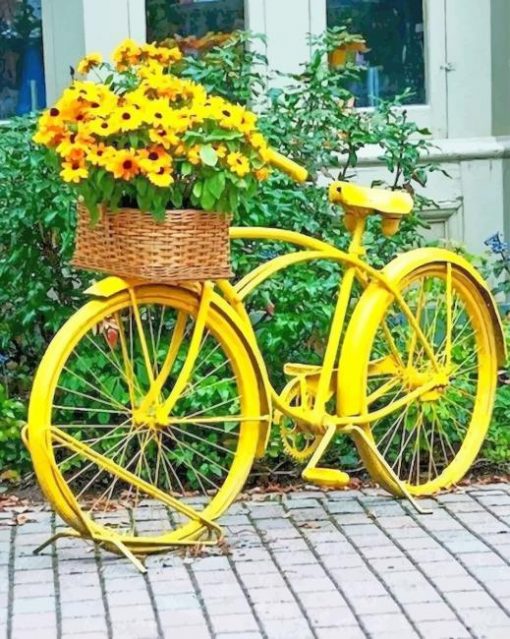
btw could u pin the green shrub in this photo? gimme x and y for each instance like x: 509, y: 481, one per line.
x: 13, y: 454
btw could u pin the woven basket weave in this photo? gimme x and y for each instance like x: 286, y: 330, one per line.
x: 187, y: 245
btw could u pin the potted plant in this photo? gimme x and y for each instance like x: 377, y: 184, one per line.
x: 159, y: 166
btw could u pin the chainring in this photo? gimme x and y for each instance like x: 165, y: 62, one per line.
x: 298, y: 442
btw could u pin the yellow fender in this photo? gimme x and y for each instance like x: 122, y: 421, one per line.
x: 112, y: 285
x: 350, y: 401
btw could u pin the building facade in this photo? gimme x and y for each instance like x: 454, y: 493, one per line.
x: 454, y: 54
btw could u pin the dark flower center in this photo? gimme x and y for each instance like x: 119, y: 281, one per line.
x: 104, y: 125
x: 126, y: 116
x: 54, y: 112
x: 153, y: 156
x: 226, y: 113
x: 127, y: 165
x: 75, y: 166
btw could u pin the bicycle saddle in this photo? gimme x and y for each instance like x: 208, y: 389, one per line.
x: 352, y: 196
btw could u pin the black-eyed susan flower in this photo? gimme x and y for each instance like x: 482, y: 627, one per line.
x: 162, y: 177
x: 124, y: 164
x: 163, y: 136
x: 103, y: 127
x: 100, y: 154
x: 89, y: 62
x: 74, y: 140
x: 193, y: 155
x: 154, y: 158
x: 74, y: 172
x: 238, y: 164
x: 127, y: 118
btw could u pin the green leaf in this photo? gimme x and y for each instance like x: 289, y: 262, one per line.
x: 215, y: 184
x: 208, y: 155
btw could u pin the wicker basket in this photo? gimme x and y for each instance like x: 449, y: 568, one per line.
x: 187, y: 245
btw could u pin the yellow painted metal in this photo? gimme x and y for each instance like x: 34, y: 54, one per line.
x: 283, y: 163
x: 360, y: 198
x: 219, y: 308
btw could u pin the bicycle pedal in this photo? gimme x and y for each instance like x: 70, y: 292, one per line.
x: 327, y: 477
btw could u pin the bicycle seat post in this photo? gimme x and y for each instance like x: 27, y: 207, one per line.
x: 357, y: 229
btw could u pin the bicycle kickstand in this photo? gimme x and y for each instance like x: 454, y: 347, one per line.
x: 400, y: 485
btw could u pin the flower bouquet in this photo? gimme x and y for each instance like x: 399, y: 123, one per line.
x: 159, y: 166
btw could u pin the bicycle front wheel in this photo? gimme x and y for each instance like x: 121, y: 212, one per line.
x: 103, y: 466
x: 431, y: 441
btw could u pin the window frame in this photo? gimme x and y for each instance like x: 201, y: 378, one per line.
x: 433, y: 114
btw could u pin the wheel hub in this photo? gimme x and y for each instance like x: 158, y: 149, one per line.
x: 414, y: 379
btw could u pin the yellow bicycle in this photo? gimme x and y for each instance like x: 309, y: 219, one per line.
x: 152, y: 401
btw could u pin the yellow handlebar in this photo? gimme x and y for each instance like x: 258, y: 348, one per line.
x: 287, y: 166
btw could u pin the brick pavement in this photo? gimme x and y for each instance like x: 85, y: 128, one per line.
x: 336, y: 565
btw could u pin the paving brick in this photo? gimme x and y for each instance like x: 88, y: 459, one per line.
x: 396, y: 623
x: 442, y: 630
x: 288, y: 629
x: 436, y: 611
x: 375, y: 605
x: 327, y: 617
x: 233, y: 623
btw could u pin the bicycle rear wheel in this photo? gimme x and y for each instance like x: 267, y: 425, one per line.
x: 102, y: 466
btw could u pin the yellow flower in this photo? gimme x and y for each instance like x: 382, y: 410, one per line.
x: 194, y: 154
x: 85, y: 90
x: 247, y: 122
x: 238, y: 164
x: 50, y: 130
x: 127, y: 53
x: 162, y: 177
x: 137, y: 99
x: 78, y: 140
x: 104, y: 105
x: 262, y: 174
x: 163, y: 136
x: 89, y: 62
x: 103, y: 127
x: 127, y: 118
x: 100, y: 155
x: 123, y: 164
x: 221, y: 150
x: 154, y: 158
x: 73, y: 172
x: 259, y: 143
x: 158, y: 113
x: 230, y: 116
x: 162, y: 55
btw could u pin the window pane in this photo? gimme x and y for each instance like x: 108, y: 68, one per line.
x: 193, y: 19
x: 21, y: 57
x: 393, y: 30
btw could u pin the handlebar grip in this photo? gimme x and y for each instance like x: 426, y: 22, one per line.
x: 292, y: 169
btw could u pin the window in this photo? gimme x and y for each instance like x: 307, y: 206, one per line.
x: 394, y: 33
x: 21, y: 57
x: 193, y: 20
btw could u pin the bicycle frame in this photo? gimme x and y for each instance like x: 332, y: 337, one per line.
x: 313, y: 249
x: 232, y: 305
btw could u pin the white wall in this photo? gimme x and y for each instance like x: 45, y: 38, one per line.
x: 72, y: 28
